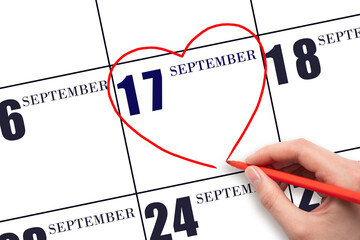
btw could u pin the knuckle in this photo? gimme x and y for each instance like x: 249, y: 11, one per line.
x: 301, y: 143
x: 300, y: 147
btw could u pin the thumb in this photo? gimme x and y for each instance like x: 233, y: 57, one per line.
x: 274, y: 199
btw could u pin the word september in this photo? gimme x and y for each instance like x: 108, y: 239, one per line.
x: 212, y: 62
x: 64, y: 93
x: 91, y: 221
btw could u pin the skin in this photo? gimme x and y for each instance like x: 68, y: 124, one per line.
x: 334, y: 218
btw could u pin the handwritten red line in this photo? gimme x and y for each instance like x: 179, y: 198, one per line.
x: 181, y: 56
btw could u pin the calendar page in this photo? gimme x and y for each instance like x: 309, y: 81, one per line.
x: 117, y: 117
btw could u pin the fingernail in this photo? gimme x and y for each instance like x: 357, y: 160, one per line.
x: 253, y: 177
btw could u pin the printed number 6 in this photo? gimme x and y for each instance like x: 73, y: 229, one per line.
x: 15, y: 118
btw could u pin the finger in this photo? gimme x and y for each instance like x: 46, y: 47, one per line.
x: 281, y: 165
x: 301, y: 171
x: 310, y: 156
x: 289, y: 169
x: 274, y: 200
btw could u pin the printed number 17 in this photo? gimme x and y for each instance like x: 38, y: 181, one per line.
x: 128, y: 85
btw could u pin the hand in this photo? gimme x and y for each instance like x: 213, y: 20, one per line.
x: 334, y: 218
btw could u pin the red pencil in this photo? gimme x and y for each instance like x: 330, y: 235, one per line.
x: 313, y: 185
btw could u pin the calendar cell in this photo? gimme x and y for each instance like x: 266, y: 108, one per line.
x: 191, y: 107
x: 53, y: 148
x: 208, y: 218
x: 310, y: 102
x: 164, y: 20
x: 278, y: 14
x: 108, y: 219
x: 61, y: 37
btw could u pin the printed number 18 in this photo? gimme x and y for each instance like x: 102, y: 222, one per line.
x: 307, y: 64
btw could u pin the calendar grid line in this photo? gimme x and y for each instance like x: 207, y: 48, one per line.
x: 52, y: 77
x: 121, y: 123
x: 140, y: 192
x: 124, y: 62
x: 273, y: 110
x: 348, y: 149
x: 309, y: 24
x: 160, y: 55
x: 107, y: 192
x: 190, y: 182
x: 269, y: 90
x: 267, y: 81
x: 65, y: 208
x: 119, y: 197
x: 150, y: 57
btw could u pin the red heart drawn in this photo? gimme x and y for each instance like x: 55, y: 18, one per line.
x: 181, y: 56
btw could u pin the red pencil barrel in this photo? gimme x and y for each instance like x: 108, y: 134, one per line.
x: 313, y: 185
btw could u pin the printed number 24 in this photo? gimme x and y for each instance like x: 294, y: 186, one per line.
x: 128, y: 85
x: 182, y: 208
